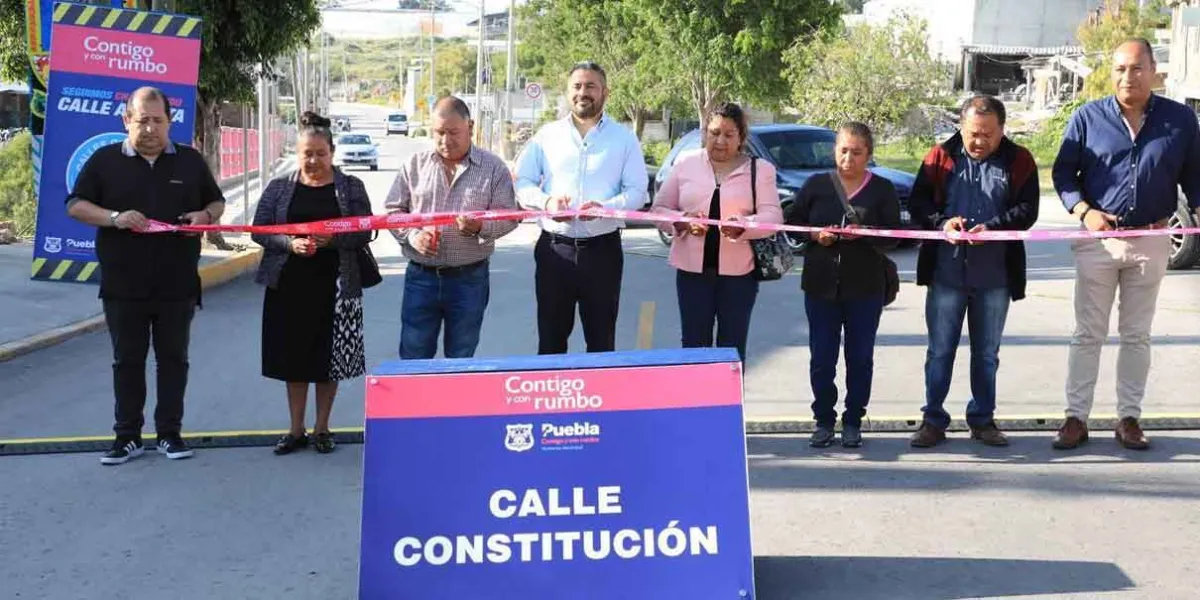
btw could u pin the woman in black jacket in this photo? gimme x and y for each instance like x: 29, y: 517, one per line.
x: 844, y: 279
x: 312, y: 327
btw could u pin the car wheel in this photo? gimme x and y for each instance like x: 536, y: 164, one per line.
x: 1185, y: 249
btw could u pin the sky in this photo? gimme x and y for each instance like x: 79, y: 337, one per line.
x: 382, y: 25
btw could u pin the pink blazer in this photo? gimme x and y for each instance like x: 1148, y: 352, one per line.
x: 689, y: 188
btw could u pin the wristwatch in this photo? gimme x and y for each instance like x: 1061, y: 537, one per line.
x: 112, y: 217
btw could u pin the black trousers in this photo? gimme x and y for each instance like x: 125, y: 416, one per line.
x: 727, y: 300
x: 133, y: 325
x: 585, y: 272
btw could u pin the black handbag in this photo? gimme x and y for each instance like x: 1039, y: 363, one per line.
x: 368, y: 268
x: 772, y: 255
x: 891, y: 274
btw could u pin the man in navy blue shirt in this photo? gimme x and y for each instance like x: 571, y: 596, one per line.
x: 1122, y: 159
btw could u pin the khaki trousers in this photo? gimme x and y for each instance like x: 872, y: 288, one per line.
x: 1135, y: 268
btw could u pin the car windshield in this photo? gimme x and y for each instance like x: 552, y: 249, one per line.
x: 812, y: 149
x: 397, y: 118
x: 354, y: 140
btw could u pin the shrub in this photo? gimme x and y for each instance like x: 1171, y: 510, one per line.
x: 656, y: 152
x: 17, y: 202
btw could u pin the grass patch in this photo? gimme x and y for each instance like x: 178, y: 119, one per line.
x: 900, y: 156
x: 906, y: 156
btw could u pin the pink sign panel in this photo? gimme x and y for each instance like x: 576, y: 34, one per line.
x: 124, y: 54
x: 551, y: 392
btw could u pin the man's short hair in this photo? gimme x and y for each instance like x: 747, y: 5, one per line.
x: 588, y: 65
x: 455, y: 105
x: 148, y: 92
x: 983, y: 105
x: 1140, y: 41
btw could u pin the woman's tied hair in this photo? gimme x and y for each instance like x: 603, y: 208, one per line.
x: 313, y: 124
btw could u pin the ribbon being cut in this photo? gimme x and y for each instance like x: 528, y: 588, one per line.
x: 407, y: 220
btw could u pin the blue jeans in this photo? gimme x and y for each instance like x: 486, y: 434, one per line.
x: 459, y: 298
x: 985, y: 312
x: 707, y: 298
x: 826, y: 321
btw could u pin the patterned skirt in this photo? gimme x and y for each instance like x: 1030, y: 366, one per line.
x: 311, y: 333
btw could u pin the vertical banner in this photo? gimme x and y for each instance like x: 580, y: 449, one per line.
x: 39, y: 16
x: 100, y: 56
x: 597, y: 476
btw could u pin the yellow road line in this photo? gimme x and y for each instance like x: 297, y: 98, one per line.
x: 199, y: 434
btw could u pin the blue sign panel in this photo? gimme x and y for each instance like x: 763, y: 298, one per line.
x: 543, y: 478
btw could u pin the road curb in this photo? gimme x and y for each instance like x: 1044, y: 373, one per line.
x: 754, y: 427
x: 211, y: 275
x: 797, y: 425
x: 227, y: 269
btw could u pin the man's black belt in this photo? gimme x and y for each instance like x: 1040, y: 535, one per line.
x: 583, y: 241
x: 447, y: 271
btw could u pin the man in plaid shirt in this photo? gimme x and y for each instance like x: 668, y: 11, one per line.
x: 447, y: 276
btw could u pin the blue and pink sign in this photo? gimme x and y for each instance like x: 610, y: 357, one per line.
x: 617, y: 475
x: 100, y: 56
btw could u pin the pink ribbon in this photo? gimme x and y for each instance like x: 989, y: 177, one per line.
x: 406, y: 220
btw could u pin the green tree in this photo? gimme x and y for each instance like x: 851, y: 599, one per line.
x: 14, y: 53
x: 240, y: 37
x: 873, y: 74
x: 1111, y: 24
x: 16, y: 185
x: 853, y: 6
x: 556, y: 34
x: 732, y: 50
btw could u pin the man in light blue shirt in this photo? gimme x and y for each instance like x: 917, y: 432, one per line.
x: 586, y: 160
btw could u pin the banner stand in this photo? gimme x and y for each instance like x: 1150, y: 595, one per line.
x: 606, y: 475
x: 100, y: 55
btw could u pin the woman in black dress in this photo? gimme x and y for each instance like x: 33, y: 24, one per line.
x: 312, y: 325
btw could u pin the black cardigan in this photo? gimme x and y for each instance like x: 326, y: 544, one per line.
x: 849, y: 269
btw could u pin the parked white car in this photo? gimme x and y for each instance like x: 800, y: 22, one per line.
x: 356, y: 149
x: 397, y: 123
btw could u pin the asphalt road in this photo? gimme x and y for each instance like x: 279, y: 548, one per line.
x: 882, y: 522
x: 64, y: 391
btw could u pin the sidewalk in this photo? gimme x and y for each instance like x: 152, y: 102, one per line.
x: 39, y: 314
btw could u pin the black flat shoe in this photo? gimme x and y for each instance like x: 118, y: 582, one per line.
x: 290, y: 443
x: 324, y: 442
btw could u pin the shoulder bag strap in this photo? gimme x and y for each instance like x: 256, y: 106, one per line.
x: 754, y: 185
x: 849, y: 211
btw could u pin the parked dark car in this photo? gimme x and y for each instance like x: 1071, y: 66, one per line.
x: 798, y: 152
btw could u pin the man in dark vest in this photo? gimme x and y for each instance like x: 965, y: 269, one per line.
x: 976, y: 181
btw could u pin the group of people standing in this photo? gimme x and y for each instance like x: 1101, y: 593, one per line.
x: 1121, y: 160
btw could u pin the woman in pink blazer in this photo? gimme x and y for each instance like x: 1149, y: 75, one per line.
x: 713, y: 264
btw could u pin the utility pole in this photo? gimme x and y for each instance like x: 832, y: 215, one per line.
x: 263, y: 98
x: 246, y: 164
x: 506, y: 123
x: 432, y: 39
x: 479, y: 79
x: 324, y: 100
